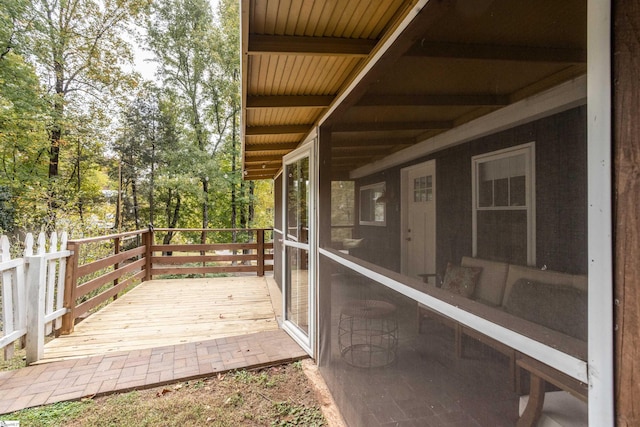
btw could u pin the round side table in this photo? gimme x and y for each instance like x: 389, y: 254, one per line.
x: 368, y: 333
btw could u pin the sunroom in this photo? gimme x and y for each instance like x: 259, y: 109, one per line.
x: 433, y: 237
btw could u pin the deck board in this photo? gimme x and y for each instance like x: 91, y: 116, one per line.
x: 168, y: 312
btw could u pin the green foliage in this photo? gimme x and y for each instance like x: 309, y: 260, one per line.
x: 74, y: 121
x: 53, y: 415
x: 261, y: 378
x: 291, y: 414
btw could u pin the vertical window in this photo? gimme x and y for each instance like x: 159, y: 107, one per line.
x: 373, y: 204
x: 503, y: 205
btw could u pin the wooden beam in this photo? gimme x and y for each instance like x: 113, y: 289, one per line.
x: 497, y: 52
x: 391, y: 126
x: 254, y: 176
x: 350, y: 142
x: 270, y: 170
x: 272, y: 146
x: 626, y: 198
x: 338, y: 152
x: 432, y: 100
x: 289, y: 101
x: 276, y: 130
x: 262, y: 158
x: 302, y: 45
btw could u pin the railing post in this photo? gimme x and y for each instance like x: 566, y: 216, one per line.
x: 148, y: 242
x: 36, y: 282
x: 70, y: 285
x: 116, y: 251
x: 260, y: 241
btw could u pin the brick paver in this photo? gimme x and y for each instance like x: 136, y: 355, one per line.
x: 98, y: 375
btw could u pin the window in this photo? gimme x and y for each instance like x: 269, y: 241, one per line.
x: 342, y: 210
x: 503, y: 205
x: 373, y: 204
x: 423, y: 189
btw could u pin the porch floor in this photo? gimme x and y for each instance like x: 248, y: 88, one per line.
x: 158, y: 313
x: 162, y: 331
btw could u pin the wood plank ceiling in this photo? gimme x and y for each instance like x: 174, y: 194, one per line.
x: 296, y: 57
x: 457, y: 61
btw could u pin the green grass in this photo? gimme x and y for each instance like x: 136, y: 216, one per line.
x: 57, y: 414
x: 278, y: 396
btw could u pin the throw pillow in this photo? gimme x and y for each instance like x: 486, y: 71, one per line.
x: 461, y: 280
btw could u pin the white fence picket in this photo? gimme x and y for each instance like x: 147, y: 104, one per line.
x: 51, y: 282
x: 62, y: 270
x: 38, y: 280
x: 13, y: 326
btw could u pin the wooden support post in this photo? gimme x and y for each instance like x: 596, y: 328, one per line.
x: 148, y: 243
x: 116, y: 250
x: 532, y: 412
x: 260, y: 241
x: 36, y: 282
x: 626, y: 199
x: 70, y: 285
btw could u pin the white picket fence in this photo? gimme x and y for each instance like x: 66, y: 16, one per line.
x: 32, y: 293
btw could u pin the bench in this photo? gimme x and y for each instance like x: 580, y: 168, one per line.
x: 546, y: 305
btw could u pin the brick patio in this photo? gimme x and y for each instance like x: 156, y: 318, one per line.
x: 124, y: 371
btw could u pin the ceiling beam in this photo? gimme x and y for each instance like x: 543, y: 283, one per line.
x: 350, y: 142
x: 289, y: 101
x: 263, y: 158
x: 497, y: 52
x: 391, y: 126
x: 432, y: 100
x: 304, y: 45
x: 276, y: 130
x: 262, y: 171
x: 272, y: 146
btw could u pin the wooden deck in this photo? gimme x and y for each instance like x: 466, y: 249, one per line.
x: 167, y: 312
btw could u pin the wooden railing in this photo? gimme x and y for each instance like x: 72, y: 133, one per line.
x: 136, y: 256
x: 247, y: 257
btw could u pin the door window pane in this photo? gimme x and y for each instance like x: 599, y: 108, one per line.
x: 297, y: 200
x: 297, y: 296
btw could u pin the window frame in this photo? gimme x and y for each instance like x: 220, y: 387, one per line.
x: 373, y: 203
x: 528, y: 150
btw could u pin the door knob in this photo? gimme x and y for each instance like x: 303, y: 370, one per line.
x: 408, y: 239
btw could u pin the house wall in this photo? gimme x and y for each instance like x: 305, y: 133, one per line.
x: 561, y: 210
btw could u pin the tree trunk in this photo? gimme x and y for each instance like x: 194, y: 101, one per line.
x: 56, y: 131
x: 172, y: 220
x: 152, y: 182
x: 136, y: 213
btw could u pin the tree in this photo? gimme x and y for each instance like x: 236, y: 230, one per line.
x: 182, y: 35
x: 79, y: 51
x: 23, y: 140
x: 15, y: 19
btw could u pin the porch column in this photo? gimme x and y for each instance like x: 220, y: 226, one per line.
x: 626, y: 160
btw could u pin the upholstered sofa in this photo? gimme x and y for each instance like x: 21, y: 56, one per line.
x: 553, y: 300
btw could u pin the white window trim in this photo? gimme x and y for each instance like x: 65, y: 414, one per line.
x: 384, y: 205
x: 530, y: 184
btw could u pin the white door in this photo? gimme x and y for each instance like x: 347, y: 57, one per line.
x: 419, y: 220
x: 298, y: 245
